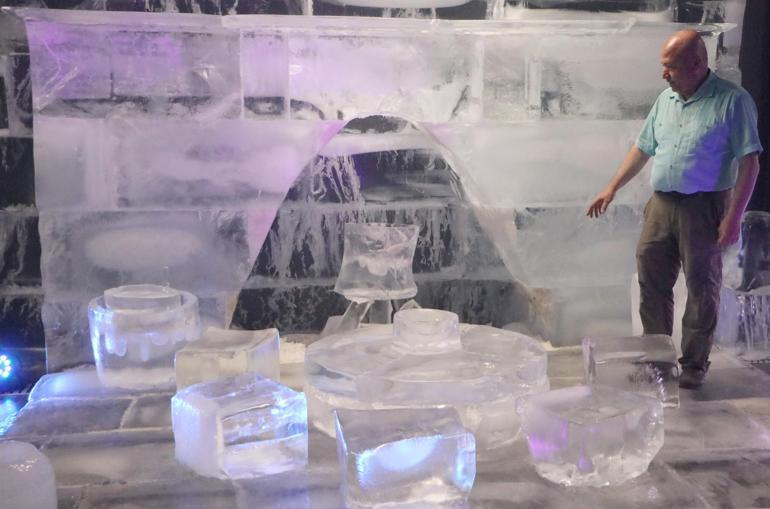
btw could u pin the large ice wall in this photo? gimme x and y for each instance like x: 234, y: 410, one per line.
x: 166, y: 143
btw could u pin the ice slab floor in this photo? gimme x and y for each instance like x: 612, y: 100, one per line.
x: 716, y: 453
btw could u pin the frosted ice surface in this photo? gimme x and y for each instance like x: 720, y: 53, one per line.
x: 134, y: 344
x: 81, y: 383
x: 645, y: 364
x: 26, y: 477
x: 404, y: 456
x: 240, y: 427
x: 377, y: 262
x: 483, y: 379
x: 593, y: 435
x: 224, y: 353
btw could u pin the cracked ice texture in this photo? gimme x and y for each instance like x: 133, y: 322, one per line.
x: 593, y: 435
x: 26, y: 477
x: 137, y: 329
x: 240, y: 427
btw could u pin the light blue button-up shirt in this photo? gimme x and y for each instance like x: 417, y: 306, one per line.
x: 696, y: 143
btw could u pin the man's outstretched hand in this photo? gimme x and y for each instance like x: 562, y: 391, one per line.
x: 729, y: 231
x: 600, y: 203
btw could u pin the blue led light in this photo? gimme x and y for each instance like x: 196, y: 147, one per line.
x: 6, y: 367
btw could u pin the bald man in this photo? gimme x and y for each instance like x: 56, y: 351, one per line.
x: 702, y: 133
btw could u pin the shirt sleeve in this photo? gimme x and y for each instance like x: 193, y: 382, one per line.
x: 744, y: 136
x: 646, y: 139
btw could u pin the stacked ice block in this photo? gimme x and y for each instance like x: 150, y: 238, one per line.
x: 26, y: 477
x: 426, y: 361
x: 645, y: 364
x: 240, y: 427
x: 137, y: 329
x: 404, y: 456
x: 225, y: 353
x: 593, y: 435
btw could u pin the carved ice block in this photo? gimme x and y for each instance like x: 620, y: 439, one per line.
x: 240, y: 427
x: 224, y: 353
x: 404, y: 456
x: 646, y: 364
x: 377, y: 262
x: 26, y: 477
x: 593, y: 435
x: 137, y: 329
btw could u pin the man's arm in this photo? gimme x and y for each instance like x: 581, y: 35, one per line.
x: 632, y: 164
x: 730, y: 227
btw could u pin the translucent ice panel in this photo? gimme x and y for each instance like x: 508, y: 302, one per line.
x: 420, y: 77
x: 224, y: 353
x: 593, y: 435
x: 240, y: 427
x: 134, y: 344
x: 645, y: 364
x: 404, y: 456
x: 377, y: 262
x: 26, y: 477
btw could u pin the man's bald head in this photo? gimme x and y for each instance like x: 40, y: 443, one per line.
x: 685, y: 62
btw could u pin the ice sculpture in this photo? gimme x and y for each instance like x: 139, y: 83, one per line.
x: 376, y: 269
x: 240, y: 427
x: 426, y: 360
x: 26, y: 477
x: 158, y: 127
x: 226, y: 353
x: 137, y: 329
x: 593, y: 435
x: 645, y: 364
x: 404, y: 456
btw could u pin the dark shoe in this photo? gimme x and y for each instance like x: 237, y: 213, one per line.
x: 691, y: 378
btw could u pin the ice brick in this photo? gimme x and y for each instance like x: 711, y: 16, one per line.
x: 134, y: 344
x: 645, y: 364
x: 224, y: 353
x: 593, y: 435
x: 377, y: 262
x: 240, y: 427
x: 26, y: 477
x: 404, y: 456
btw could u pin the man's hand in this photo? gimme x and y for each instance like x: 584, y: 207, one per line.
x: 600, y: 203
x: 729, y: 231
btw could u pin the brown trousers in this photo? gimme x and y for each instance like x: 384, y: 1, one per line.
x: 681, y: 231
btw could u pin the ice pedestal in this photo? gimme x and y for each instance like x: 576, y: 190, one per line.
x: 744, y: 322
x: 645, y: 364
x: 593, y: 435
x: 240, y: 427
x: 482, y: 372
x: 404, y: 456
x: 26, y: 477
x: 137, y: 329
x: 225, y: 353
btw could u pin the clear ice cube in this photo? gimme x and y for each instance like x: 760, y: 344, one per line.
x: 240, y: 427
x: 593, y: 435
x: 646, y: 364
x: 224, y: 353
x: 26, y: 477
x: 404, y: 456
x: 377, y: 262
x: 134, y: 344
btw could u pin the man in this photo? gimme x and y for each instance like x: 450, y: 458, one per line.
x: 697, y: 129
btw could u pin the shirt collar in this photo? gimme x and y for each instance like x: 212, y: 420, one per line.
x: 706, y: 89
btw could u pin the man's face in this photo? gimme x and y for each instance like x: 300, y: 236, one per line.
x: 679, y: 72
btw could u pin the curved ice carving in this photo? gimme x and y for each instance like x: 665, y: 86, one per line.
x: 137, y: 329
x: 483, y: 375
